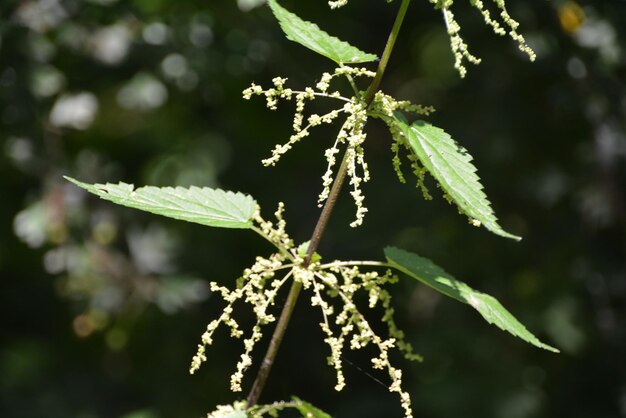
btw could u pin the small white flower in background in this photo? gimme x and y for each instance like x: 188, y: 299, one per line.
x: 144, y: 92
x: 152, y: 249
x: 30, y: 225
x: 156, y: 33
x: 46, y: 81
x: 111, y: 44
x: 19, y: 150
x: 76, y: 111
x: 247, y: 5
x: 174, y: 66
x: 200, y: 34
x: 42, y: 15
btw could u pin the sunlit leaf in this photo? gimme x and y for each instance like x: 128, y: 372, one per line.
x: 434, y: 276
x: 201, y: 205
x: 311, y: 36
x: 451, y: 166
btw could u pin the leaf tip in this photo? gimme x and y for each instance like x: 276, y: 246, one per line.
x: 76, y: 182
x: 515, y: 238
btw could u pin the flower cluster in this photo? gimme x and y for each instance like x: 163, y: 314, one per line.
x: 399, y: 140
x: 341, y: 282
x: 334, y: 288
x: 351, y: 135
x: 458, y: 45
x: 257, y: 287
x: 225, y: 411
x: 385, y: 108
x: 239, y: 408
x: 385, y: 105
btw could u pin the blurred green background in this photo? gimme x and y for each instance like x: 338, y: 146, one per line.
x: 102, y: 307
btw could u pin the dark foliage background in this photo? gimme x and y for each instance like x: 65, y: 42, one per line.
x: 102, y: 307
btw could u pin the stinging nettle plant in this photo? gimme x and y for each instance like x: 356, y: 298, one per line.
x: 333, y: 286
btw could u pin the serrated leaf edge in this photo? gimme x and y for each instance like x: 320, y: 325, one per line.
x: 97, y: 189
x: 488, y: 217
x: 474, y: 300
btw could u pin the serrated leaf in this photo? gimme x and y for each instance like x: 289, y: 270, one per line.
x: 201, y: 205
x: 450, y: 164
x: 309, y: 411
x: 490, y: 309
x: 311, y: 36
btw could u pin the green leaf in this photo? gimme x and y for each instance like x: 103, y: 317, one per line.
x: 451, y: 166
x: 434, y: 276
x: 311, y: 36
x: 307, y: 410
x: 303, y: 250
x: 205, y: 206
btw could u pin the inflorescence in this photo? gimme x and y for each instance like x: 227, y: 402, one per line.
x: 459, y: 47
x: 334, y: 288
x: 351, y: 135
x: 240, y: 408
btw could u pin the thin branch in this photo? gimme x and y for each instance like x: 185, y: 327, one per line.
x: 391, y: 41
x: 320, y: 227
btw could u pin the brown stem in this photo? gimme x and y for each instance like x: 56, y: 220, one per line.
x: 320, y: 227
x: 277, y: 338
x: 296, y: 286
x: 318, y: 232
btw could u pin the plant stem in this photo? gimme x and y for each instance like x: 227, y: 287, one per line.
x: 318, y: 232
x: 320, y: 227
x: 391, y: 41
x: 277, y: 338
x: 296, y: 286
